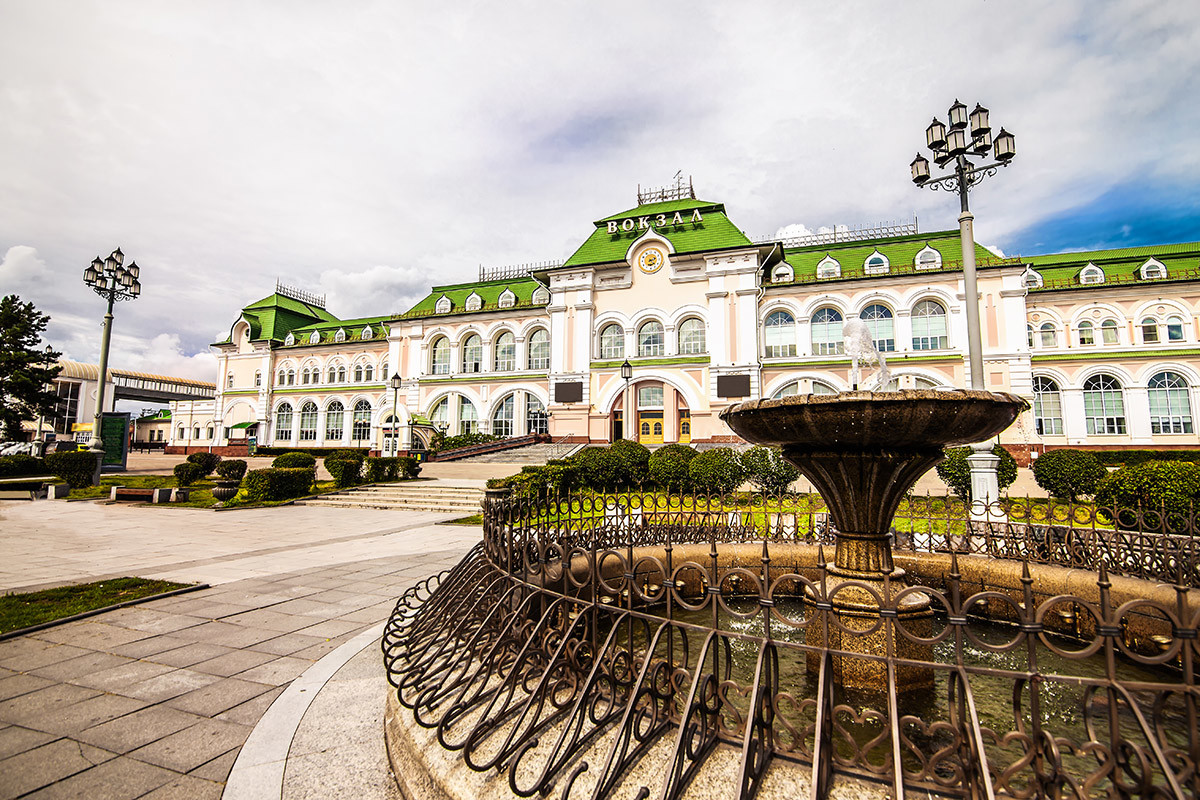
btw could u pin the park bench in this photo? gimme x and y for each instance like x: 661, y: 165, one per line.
x: 33, y: 487
x: 131, y: 494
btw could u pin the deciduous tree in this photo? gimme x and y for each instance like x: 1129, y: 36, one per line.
x: 27, y: 371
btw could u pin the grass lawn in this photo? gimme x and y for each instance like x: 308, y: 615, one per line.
x: 474, y: 519
x: 199, y: 497
x: 32, y: 608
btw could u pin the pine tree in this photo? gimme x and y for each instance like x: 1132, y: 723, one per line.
x: 27, y: 371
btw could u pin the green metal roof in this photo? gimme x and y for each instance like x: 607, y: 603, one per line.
x: 714, y: 232
x: 275, y: 315
x: 900, y: 251
x: 1122, y: 266
x: 328, y: 330
x: 488, y: 291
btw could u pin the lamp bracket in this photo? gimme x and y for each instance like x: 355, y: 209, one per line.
x: 967, y: 173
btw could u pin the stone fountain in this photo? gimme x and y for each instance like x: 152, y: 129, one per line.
x: 863, y: 451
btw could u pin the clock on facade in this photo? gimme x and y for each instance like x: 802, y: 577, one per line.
x: 651, y: 260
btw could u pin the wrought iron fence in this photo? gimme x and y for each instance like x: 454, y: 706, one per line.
x: 587, y: 638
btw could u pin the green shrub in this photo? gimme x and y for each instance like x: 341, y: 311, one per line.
x: 344, y: 471
x: 409, y: 467
x: 768, y: 470
x: 668, y: 466
x: 188, y: 473
x: 231, y: 469
x: 380, y: 469
x: 206, y: 461
x: 440, y: 443
x: 635, y: 461
x: 21, y: 464
x: 319, y: 452
x: 1068, y: 473
x: 352, y: 455
x: 294, y: 460
x: 717, y: 471
x: 599, y: 468
x: 1158, y: 486
x: 1116, y: 458
x: 278, y: 483
x: 956, y: 473
x: 76, y: 468
x: 555, y: 477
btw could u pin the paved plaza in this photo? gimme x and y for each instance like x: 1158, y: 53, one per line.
x: 280, y: 655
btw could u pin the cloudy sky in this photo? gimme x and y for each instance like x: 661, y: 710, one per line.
x: 368, y: 150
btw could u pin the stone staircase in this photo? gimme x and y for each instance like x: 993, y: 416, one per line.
x: 538, y: 453
x: 409, y: 496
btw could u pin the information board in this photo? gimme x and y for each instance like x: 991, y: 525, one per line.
x: 114, y: 431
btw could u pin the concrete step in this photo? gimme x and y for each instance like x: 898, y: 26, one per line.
x: 407, y: 497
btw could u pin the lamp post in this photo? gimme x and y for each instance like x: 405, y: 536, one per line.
x: 968, y: 135
x: 112, y: 280
x: 627, y: 374
x: 395, y: 382
x: 40, y: 445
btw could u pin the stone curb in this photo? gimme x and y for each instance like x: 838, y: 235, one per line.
x: 258, y: 772
x: 41, y: 626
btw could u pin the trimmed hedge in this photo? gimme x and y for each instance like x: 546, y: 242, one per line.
x: 21, y: 464
x: 599, y: 468
x: 635, y: 461
x: 410, y: 467
x: 294, y: 461
x: 76, y: 467
x: 956, y: 473
x: 534, y: 481
x: 1068, y: 473
x: 440, y: 443
x: 380, y: 469
x: 718, y: 470
x: 206, y: 461
x: 353, y: 455
x: 1169, y: 486
x: 1114, y: 458
x: 344, y: 471
x: 232, y: 469
x: 768, y: 470
x: 668, y: 466
x: 275, y: 483
x: 188, y: 472
x: 312, y: 451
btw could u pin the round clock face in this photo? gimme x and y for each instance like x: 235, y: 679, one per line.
x: 651, y: 260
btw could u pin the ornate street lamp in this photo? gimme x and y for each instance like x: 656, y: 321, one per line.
x: 112, y: 280
x: 968, y: 136
x: 395, y: 381
x: 627, y: 374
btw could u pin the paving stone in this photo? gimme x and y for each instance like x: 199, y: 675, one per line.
x: 44, y: 765
x: 233, y: 662
x: 332, y: 628
x: 119, y: 779
x: 187, y: 787
x: 194, y: 745
x: 15, y: 739
x: 190, y: 654
x: 90, y: 634
x: 219, y: 768
x: 167, y: 685
x: 20, y: 684
x: 251, y: 711
x: 117, y: 678
x: 30, y: 709
x: 151, y: 620
x: 287, y: 644
x: 227, y: 635
x: 86, y: 664
x: 149, y: 647
x: 72, y: 719
x: 137, y: 729
x: 217, y: 697
x: 277, y: 672
x: 271, y: 620
x: 318, y: 650
x: 27, y: 658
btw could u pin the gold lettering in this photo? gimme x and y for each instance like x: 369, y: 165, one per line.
x: 677, y: 220
x: 696, y: 216
x: 612, y: 227
x: 660, y: 220
x: 643, y: 223
x: 626, y: 224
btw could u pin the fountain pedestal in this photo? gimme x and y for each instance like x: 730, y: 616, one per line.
x: 863, y: 451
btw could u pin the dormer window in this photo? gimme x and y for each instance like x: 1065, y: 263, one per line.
x: 1032, y: 279
x: 340, y: 336
x: 1153, y: 269
x: 443, y: 305
x: 367, y: 333
x: 829, y: 268
x: 507, y: 299
x: 314, y: 338
x: 928, y: 258
x: 783, y: 273
x: 876, y: 264
x: 289, y: 340
x: 474, y: 302
x: 1091, y: 274
x: 541, y: 295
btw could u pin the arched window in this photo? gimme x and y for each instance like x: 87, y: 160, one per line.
x: 612, y: 341
x: 829, y: 268
x: 790, y: 390
x: 308, y: 422
x: 1048, y: 335
x: 502, y: 419
x: 291, y: 377
x: 1087, y: 334
x: 468, y: 419
x: 536, y: 420
x: 1153, y: 269
x: 879, y: 321
x: 358, y: 373
x: 473, y: 354
x: 1104, y: 405
x: 360, y: 426
x: 314, y: 337
x: 258, y: 378
x: 924, y: 383
x: 439, y: 415
x: 443, y: 305
x: 795, y: 388
x: 1029, y: 334
x: 929, y: 326
x: 541, y: 295
x: 208, y: 432
x: 1109, y: 333
x: 1047, y: 407
x: 181, y: 437
x: 332, y: 375
x: 368, y: 373
x: 691, y: 337
x: 335, y: 425
x: 196, y: 432
x: 505, y: 351
x: 650, y: 339
x: 304, y: 376
x: 474, y: 302
x: 928, y: 258
x: 779, y: 335
x: 876, y: 264
x: 1174, y: 329
x: 367, y: 333
x: 1170, y: 405
x: 383, y: 371
x: 281, y: 378
x: 283, y: 423
x: 826, y: 332
x: 229, y: 381
x: 783, y: 273
x: 289, y: 340
x: 507, y: 299
x: 341, y: 374
x: 1091, y: 274
x: 340, y: 336
x: 440, y: 358
x: 1032, y: 279
x: 539, y: 349
x: 1149, y: 330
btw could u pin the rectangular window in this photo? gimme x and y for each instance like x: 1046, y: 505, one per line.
x: 780, y: 341
x: 650, y: 397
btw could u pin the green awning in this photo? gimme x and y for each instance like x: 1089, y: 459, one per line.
x: 241, y: 425
x: 418, y: 419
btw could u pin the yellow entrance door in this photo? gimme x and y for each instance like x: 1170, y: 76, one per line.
x: 685, y: 426
x: 650, y: 427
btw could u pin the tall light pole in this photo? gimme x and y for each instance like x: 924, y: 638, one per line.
x: 951, y: 146
x: 112, y: 280
x: 395, y: 383
x: 627, y: 374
